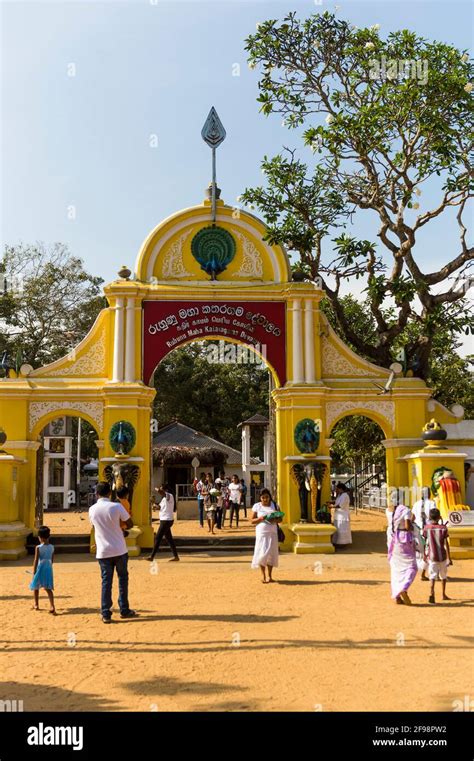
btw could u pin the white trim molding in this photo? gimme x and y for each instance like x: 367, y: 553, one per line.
x: 335, y: 409
x: 130, y: 341
x: 309, y: 365
x: 298, y: 372
x: 118, y: 340
x: 94, y: 410
x: 33, y: 445
x: 394, y: 443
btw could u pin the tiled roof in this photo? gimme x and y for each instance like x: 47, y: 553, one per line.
x: 256, y: 420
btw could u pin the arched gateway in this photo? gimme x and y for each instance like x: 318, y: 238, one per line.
x: 194, y: 280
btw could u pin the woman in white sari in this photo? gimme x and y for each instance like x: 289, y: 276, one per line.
x: 342, y: 517
x: 402, y: 554
x: 266, y: 551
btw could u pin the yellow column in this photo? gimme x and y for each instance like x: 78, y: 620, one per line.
x: 13, y: 531
x: 425, y: 462
x: 132, y: 403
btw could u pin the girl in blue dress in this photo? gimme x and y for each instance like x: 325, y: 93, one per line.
x: 43, y: 569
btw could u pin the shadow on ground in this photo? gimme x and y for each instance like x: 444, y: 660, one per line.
x: 44, y: 697
x: 223, y: 646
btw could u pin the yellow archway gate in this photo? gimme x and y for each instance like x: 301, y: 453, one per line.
x: 192, y: 283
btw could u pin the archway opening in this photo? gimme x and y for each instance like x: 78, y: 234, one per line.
x: 206, y: 390
x: 67, y: 472
x: 358, y: 458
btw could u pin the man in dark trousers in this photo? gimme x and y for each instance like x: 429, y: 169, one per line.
x: 112, y: 552
x: 167, y: 510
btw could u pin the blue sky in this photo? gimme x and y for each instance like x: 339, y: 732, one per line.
x: 143, y: 68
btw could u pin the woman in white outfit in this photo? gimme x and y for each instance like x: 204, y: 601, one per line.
x: 342, y: 518
x: 421, y: 515
x: 265, y: 555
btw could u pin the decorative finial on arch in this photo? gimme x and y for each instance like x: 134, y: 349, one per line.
x: 213, y: 133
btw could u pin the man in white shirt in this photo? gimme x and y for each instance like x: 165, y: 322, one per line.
x: 421, y: 508
x: 421, y: 513
x: 111, y: 550
x: 167, y: 509
x: 200, y: 499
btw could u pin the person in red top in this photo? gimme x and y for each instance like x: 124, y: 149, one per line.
x: 437, y: 552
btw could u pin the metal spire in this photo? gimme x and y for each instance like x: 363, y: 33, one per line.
x: 213, y: 133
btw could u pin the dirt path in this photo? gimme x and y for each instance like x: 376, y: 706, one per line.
x: 211, y: 637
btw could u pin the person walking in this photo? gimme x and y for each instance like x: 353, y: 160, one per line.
x: 244, y: 495
x: 402, y: 555
x: 43, y: 569
x: 421, y: 513
x: 167, y: 511
x: 222, y: 485
x: 266, y: 550
x: 421, y: 508
x: 209, y: 503
x: 200, y: 498
x: 342, y: 518
x: 111, y: 550
x: 235, y: 499
x: 437, y: 552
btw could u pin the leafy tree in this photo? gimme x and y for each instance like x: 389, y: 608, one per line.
x: 48, y: 302
x: 449, y: 375
x: 399, y: 119
x: 212, y: 398
x: 357, y: 444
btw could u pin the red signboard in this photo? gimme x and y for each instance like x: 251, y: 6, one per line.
x: 257, y: 324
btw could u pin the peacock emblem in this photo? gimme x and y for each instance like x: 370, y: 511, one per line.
x: 122, y: 437
x: 214, y: 248
x: 307, y: 436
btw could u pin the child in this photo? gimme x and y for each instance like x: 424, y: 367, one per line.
x: 43, y: 569
x: 437, y: 552
x: 123, y: 497
x: 209, y: 505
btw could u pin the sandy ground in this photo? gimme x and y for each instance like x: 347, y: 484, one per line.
x: 78, y: 523
x: 212, y: 637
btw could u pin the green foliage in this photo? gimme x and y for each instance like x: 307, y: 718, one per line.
x: 384, y: 117
x: 212, y: 398
x: 449, y: 375
x: 357, y: 443
x: 357, y: 313
x: 48, y: 304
